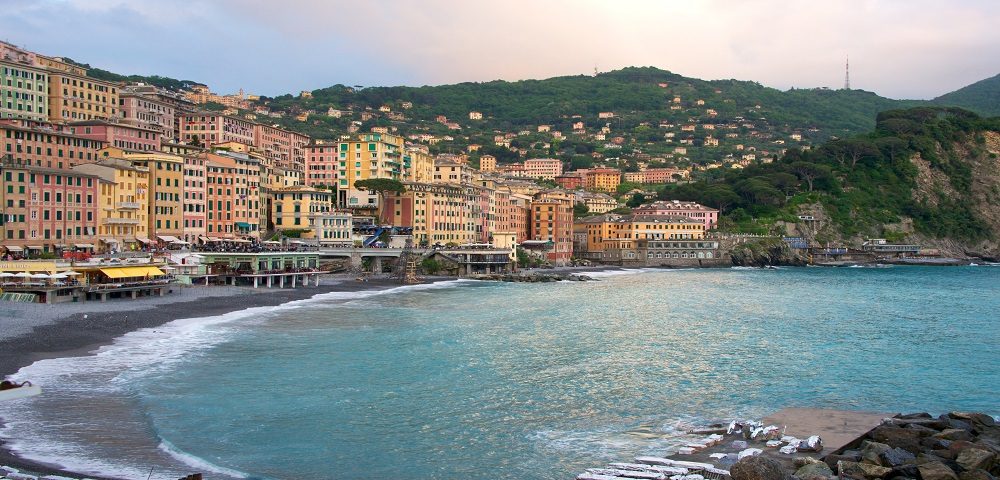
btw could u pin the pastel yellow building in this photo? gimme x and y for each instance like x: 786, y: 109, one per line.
x: 74, y: 96
x: 615, y: 232
x: 370, y: 155
x: 419, y: 165
x: 122, y: 203
x: 166, y: 190
x: 312, y: 212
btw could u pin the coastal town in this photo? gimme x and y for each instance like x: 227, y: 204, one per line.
x: 114, y: 188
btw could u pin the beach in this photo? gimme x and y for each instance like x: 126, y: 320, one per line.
x: 30, y: 332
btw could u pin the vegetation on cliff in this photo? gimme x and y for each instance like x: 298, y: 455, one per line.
x: 982, y: 97
x: 868, y: 181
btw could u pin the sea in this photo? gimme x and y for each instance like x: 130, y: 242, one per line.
x: 484, y: 380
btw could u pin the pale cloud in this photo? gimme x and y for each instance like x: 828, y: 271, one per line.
x: 902, y: 49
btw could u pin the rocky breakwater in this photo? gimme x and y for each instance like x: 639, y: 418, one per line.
x: 764, y: 252
x: 954, y: 446
x: 534, y: 277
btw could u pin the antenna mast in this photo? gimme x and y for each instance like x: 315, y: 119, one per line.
x: 847, y: 74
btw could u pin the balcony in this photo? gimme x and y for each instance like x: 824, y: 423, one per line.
x: 121, y: 221
x: 128, y: 205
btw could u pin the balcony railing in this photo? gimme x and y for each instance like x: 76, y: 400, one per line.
x: 128, y: 205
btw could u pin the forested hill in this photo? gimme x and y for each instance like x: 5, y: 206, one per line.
x: 982, y: 97
x: 928, y: 175
x: 640, y: 94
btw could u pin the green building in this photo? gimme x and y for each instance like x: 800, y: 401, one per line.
x: 24, y: 91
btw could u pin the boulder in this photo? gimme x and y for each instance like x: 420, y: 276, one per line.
x: 956, y: 423
x: 871, y: 452
x: 739, y: 445
x: 936, y: 471
x: 905, y: 471
x: 974, y: 458
x: 757, y: 467
x: 974, y: 418
x: 905, y: 438
x: 976, y: 475
x: 862, y: 470
x: 954, y: 434
x: 800, y: 462
x: 895, y: 457
x: 832, y: 459
x: 813, y: 471
x: 924, y: 431
x: 911, y: 416
x: 935, y: 443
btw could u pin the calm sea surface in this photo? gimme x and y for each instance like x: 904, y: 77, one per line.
x: 474, y: 380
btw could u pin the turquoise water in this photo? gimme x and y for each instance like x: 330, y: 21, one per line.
x: 485, y: 380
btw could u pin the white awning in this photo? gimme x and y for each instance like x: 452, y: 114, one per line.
x: 83, y: 245
x: 142, y: 239
x: 168, y: 238
x: 13, y: 248
x: 109, y: 240
x: 34, y: 247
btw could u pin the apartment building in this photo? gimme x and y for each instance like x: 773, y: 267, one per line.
x: 123, y: 203
x: 120, y: 135
x: 320, y: 164
x: 24, y: 90
x: 370, y: 155
x: 45, y: 145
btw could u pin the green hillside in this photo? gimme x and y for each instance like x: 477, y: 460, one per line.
x: 982, y: 97
x: 935, y: 166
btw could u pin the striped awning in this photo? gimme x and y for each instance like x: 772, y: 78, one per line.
x: 13, y: 248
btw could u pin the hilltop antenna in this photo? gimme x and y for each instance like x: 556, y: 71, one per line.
x: 847, y: 74
x: 595, y: 70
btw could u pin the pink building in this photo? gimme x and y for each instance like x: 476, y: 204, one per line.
x: 282, y: 148
x: 544, y: 168
x: 43, y: 144
x: 321, y: 164
x: 681, y: 208
x: 126, y: 137
x: 663, y: 175
x: 148, y: 112
x: 47, y: 210
x: 211, y: 128
x: 194, y: 198
x: 571, y: 180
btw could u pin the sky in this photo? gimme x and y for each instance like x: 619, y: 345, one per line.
x: 897, y: 48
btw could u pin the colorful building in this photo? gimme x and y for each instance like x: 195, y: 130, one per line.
x: 232, y: 195
x: 571, y: 180
x: 166, y: 191
x: 543, y: 168
x: 439, y: 213
x: 370, y: 155
x: 120, y: 135
x: 487, y: 163
x: 321, y: 164
x: 551, y: 221
x: 603, y: 179
x: 194, y: 202
x: 143, y: 106
x: 73, y: 96
x: 45, y: 145
x: 123, y: 203
x: 312, y: 213
x: 708, y: 216
x: 47, y: 210
x: 24, y: 90
x: 212, y: 128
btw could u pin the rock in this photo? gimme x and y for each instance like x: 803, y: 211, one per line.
x: 800, y: 462
x: 832, y: 459
x: 936, y: 471
x: 788, y: 449
x: 814, y: 470
x: 935, y: 443
x: 976, y: 475
x: 974, y: 418
x: 862, y: 470
x: 896, y: 457
x: 750, y: 452
x: 871, y: 452
x: 955, y: 423
x: 923, y: 430
x: 954, y: 434
x: 912, y: 416
x: 932, y: 423
x: 904, y: 438
x: 739, y: 445
x: 4, y: 470
x: 905, y: 471
x: 974, y: 458
x: 21, y: 476
x: 757, y: 467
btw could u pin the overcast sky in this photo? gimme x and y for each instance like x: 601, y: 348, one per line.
x: 897, y: 48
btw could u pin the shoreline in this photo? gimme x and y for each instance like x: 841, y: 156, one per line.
x: 73, y: 330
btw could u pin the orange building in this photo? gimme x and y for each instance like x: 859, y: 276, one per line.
x: 603, y: 179
x: 232, y: 195
x: 45, y: 145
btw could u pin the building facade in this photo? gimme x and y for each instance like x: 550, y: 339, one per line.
x: 24, y: 90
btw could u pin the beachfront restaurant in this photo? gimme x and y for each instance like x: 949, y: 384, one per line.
x: 38, y: 282
x: 258, y: 269
x: 127, y: 281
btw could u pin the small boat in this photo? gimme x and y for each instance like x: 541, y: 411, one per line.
x: 25, y: 390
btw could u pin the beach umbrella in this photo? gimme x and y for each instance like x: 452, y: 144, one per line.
x: 22, y: 275
x: 6, y: 274
x: 40, y: 276
x: 71, y: 273
x: 59, y: 276
x: 167, y: 268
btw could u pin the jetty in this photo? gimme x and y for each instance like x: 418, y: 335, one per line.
x: 788, y: 436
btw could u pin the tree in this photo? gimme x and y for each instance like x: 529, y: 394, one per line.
x: 195, y: 141
x: 636, y: 200
x: 809, y: 172
x: 721, y: 196
x: 580, y: 210
x: 382, y: 187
